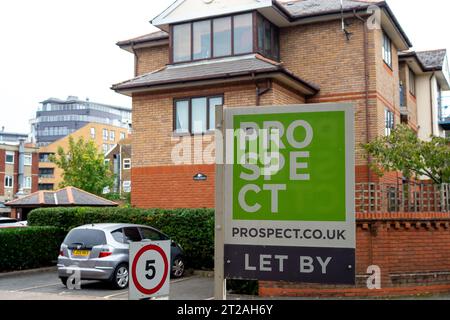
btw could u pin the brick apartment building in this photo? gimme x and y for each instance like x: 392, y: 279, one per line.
x: 281, y: 53
x: 18, y: 171
x: 257, y: 53
x: 104, y: 136
x: 119, y: 160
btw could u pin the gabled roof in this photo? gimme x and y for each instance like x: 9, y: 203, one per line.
x: 154, y: 36
x: 67, y: 197
x: 229, y: 68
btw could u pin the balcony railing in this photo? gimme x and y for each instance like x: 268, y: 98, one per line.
x: 46, y: 176
x: 410, y: 197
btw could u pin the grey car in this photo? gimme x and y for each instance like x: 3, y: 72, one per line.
x: 100, y: 252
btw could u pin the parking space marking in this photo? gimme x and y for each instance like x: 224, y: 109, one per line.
x: 37, y: 287
x: 116, y: 295
x: 212, y: 298
x: 182, y: 279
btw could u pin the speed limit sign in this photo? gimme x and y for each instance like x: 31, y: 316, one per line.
x: 150, y: 269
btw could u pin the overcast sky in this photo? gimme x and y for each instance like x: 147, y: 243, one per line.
x: 57, y: 48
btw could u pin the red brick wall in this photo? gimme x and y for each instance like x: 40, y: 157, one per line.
x: 412, y: 250
x: 173, y: 187
x: 35, y: 172
x: 156, y: 180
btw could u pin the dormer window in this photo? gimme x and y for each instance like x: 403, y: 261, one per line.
x: 224, y: 37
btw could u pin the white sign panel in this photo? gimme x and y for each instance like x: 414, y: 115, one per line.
x: 150, y: 266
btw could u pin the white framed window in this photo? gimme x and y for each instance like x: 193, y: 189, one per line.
x: 28, y: 183
x: 105, y: 134
x: 105, y: 148
x: 93, y: 133
x: 126, y: 164
x: 9, y: 157
x: 122, y: 135
x: 412, y: 83
x: 9, y: 182
x: 28, y: 159
x: 387, y: 50
x: 126, y: 185
x: 389, y: 121
x: 112, y: 135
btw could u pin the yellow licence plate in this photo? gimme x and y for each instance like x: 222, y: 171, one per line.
x: 81, y: 253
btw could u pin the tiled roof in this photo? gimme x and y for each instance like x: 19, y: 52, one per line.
x: 213, y: 69
x: 304, y: 8
x: 432, y: 60
x: 69, y: 196
x: 158, y: 35
x: 295, y: 8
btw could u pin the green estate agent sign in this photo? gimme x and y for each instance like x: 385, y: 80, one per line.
x: 289, y: 193
x: 313, y: 150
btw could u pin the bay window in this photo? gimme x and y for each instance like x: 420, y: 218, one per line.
x: 202, y: 40
x: 243, y: 33
x: 223, y: 37
x: 182, y: 42
x: 195, y: 115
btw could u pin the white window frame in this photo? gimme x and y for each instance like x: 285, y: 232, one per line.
x: 122, y: 135
x: 28, y: 184
x: 12, y: 182
x: 389, y: 121
x: 105, y: 148
x: 105, y: 134
x: 127, y: 164
x: 126, y: 186
x: 28, y: 159
x: 112, y: 135
x: 93, y: 133
x: 10, y: 153
x: 387, y: 50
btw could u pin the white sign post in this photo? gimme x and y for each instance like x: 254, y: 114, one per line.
x: 150, y: 267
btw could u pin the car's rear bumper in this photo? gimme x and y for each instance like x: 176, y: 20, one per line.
x: 97, y: 273
x: 86, y: 270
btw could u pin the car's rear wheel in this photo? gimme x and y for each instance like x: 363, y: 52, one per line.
x: 121, y: 277
x: 178, y: 267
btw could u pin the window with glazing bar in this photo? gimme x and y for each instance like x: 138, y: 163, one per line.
x: 195, y: 115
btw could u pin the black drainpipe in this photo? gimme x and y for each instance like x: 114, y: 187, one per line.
x: 261, y: 91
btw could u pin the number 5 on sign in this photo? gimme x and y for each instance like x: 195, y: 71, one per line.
x: 149, y: 270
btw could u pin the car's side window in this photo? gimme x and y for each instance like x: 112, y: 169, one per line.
x: 132, y: 235
x: 151, y: 234
x: 118, y: 236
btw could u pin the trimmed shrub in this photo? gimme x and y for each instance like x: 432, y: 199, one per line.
x: 27, y: 248
x: 193, y: 229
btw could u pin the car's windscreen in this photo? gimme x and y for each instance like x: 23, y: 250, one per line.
x: 4, y: 221
x: 86, y: 238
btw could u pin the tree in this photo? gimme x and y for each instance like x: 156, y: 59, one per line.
x: 83, y: 167
x: 403, y: 151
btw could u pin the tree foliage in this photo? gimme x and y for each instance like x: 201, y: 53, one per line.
x: 83, y: 167
x: 403, y: 151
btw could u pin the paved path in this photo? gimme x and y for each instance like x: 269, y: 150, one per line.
x: 46, y: 285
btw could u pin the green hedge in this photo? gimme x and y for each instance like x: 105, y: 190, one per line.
x: 193, y: 229
x: 27, y: 248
